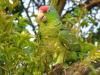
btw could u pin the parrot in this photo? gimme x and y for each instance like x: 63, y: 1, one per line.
x: 54, y: 37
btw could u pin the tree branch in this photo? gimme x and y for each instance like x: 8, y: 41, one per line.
x: 28, y: 4
x: 91, y: 3
x: 88, y: 5
x: 31, y: 24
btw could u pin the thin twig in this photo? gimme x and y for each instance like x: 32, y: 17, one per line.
x: 28, y: 4
x: 28, y: 17
x: 3, y: 68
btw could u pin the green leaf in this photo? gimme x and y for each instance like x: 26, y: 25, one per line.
x: 77, y: 11
x: 84, y: 23
x: 92, y: 20
x: 22, y: 21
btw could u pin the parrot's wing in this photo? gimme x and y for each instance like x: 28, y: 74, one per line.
x: 69, y: 40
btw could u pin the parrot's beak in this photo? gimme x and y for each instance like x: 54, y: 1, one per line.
x: 40, y: 16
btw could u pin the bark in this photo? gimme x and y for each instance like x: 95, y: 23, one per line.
x: 91, y: 3
x: 77, y: 68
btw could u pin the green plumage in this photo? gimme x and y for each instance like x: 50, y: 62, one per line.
x: 55, y: 38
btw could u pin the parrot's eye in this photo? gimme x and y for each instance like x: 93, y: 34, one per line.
x: 51, y: 9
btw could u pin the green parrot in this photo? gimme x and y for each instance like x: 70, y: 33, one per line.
x: 54, y: 37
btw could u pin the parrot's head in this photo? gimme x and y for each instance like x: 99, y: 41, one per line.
x: 41, y: 12
x: 47, y: 13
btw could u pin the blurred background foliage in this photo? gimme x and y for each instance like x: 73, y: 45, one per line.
x: 19, y: 53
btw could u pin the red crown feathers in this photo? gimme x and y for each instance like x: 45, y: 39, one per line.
x: 43, y: 8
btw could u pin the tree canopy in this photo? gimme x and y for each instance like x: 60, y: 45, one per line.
x: 19, y: 45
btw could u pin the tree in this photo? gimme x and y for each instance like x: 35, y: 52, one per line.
x: 19, y: 55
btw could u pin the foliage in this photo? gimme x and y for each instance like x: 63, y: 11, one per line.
x: 15, y: 47
x: 21, y: 56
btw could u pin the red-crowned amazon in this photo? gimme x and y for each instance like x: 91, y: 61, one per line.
x: 54, y: 37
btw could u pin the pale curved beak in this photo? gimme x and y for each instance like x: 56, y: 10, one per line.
x: 40, y: 15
